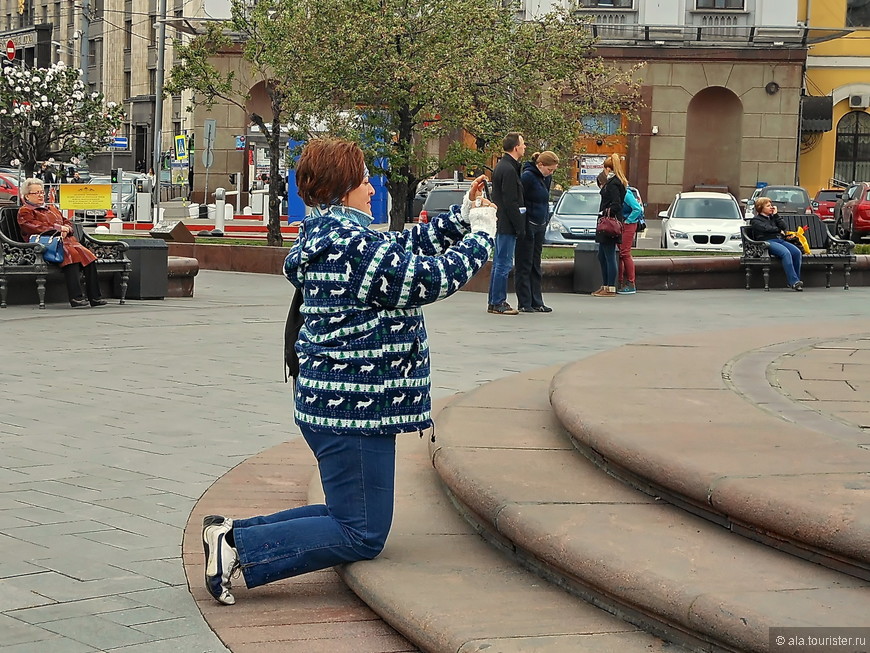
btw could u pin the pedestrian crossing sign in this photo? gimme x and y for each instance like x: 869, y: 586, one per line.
x: 181, y: 148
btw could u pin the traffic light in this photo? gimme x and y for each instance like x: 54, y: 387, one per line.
x: 113, y: 175
x: 233, y: 178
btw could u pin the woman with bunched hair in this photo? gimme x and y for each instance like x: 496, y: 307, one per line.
x: 536, y: 179
x: 363, y: 366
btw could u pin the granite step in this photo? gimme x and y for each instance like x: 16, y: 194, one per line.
x: 447, y: 591
x: 513, y: 472
x: 707, y: 423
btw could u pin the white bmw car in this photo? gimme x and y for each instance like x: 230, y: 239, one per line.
x: 699, y: 221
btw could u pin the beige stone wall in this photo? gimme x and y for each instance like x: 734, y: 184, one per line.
x: 770, y: 122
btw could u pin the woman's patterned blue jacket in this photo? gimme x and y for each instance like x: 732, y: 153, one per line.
x: 363, y: 352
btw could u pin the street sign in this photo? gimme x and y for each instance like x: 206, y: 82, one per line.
x: 10, y: 49
x: 210, y: 129
x: 120, y: 143
x: 181, y: 148
x: 240, y: 142
x: 207, y: 158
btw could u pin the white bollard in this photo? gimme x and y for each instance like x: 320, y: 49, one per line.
x: 229, y: 212
x: 220, y: 203
x: 116, y: 226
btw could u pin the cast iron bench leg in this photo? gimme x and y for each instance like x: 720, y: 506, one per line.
x: 3, y: 290
x: 125, y: 276
x: 748, y: 276
x: 765, y: 272
x: 829, y: 271
x: 847, y: 270
x: 40, y: 290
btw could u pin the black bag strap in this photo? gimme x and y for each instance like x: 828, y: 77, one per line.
x: 291, y: 334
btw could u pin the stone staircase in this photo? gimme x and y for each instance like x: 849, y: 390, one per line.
x: 696, y: 506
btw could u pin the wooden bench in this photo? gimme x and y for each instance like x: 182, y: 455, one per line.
x: 827, y: 250
x: 23, y: 259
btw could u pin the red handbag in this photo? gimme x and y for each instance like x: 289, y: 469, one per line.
x: 608, y: 225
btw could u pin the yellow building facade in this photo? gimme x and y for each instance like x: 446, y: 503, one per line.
x: 839, y: 68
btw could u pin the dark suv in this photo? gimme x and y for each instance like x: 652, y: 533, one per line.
x: 441, y: 198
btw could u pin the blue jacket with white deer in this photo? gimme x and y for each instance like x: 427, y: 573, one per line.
x: 363, y: 351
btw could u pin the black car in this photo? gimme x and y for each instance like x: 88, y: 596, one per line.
x: 423, y: 189
x: 440, y: 199
x: 789, y: 199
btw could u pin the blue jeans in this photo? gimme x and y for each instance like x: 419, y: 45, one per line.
x: 607, y: 260
x: 790, y: 256
x: 358, y: 474
x: 502, y: 262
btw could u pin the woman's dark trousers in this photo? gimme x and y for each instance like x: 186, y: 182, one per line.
x: 527, y: 273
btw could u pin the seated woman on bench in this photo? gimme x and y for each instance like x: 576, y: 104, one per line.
x: 767, y: 225
x: 36, y: 217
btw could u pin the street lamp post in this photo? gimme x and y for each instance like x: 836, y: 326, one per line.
x: 158, y: 105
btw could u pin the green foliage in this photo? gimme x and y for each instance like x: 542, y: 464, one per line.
x: 46, y: 113
x: 395, y: 75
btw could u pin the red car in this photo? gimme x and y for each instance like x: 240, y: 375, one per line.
x: 854, y: 221
x: 825, y: 201
x: 8, y: 188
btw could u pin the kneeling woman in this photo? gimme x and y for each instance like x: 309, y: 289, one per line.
x: 363, y: 366
x: 767, y: 225
x: 36, y: 217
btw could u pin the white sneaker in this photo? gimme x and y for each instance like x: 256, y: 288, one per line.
x: 221, y: 560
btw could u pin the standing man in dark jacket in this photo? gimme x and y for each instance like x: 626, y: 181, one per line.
x: 507, y: 194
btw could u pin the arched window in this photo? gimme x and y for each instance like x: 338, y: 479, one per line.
x: 853, y: 147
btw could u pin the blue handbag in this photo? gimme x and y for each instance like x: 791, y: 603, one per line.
x: 53, y: 252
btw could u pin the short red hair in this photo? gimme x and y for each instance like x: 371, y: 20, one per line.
x: 329, y: 169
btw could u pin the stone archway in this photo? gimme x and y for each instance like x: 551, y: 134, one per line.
x: 714, y: 134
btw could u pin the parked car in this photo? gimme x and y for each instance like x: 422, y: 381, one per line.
x: 427, y: 185
x: 702, y: 221
x: 8, y: 188
x: 749, y: 204
x: 825, y: 201
x: 854, y: 220
x: 128, y: 200
x: 789, y: 199
x: 576, y: 215
x: 441, y: 198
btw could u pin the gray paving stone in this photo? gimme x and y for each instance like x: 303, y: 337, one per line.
x: 183, y: 390
x: 96, y: 631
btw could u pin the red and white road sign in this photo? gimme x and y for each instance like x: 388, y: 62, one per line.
x: 10, y: 49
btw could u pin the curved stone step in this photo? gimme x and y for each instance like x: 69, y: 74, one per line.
x: 447, y: 591
x: 513, y: 471
x: 698, y: 423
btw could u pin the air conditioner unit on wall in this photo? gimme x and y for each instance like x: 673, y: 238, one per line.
x: 859, y: 101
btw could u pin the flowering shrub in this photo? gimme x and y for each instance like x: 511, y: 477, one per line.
x: 46, y: 113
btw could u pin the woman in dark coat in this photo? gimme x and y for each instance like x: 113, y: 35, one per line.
x: 536, y: 178
x: 767, y: 225
x: 612, y: 197
x: 36, y: 217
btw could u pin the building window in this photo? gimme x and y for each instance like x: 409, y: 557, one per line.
x: 605, y: 124
x: 128, y: 34
x: 128, y: 84
x: 858, y: 13
x: 152, y: 82
x: 719, y: 4
x: 853, y: 147
x: 606, y: 4
x: 152, y: 31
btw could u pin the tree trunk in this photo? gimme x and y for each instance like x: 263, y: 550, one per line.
x: 273, y: 233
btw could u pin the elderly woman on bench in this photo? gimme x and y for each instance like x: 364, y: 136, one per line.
x: 36, y: 217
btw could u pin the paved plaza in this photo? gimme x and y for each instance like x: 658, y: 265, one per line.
x: 114, y: 421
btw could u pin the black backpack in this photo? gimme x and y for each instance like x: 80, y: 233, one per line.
x: 291, y: 335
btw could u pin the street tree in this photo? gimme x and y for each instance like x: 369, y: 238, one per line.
x: 46, y: 113
x: 267, y: 36
x: 406, y: 72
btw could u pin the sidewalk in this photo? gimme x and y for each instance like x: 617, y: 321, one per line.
x: 114, y: 421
